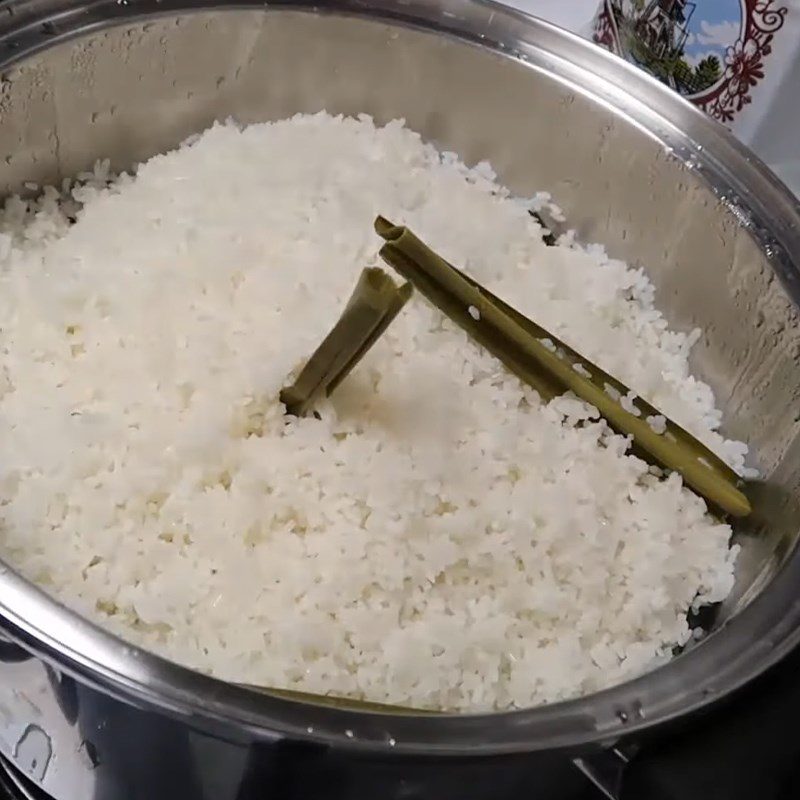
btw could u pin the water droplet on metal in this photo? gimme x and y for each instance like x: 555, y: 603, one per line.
x: 33, y: 751
x: 88, y: 754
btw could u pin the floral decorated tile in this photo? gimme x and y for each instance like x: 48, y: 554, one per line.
x: 716, y: 53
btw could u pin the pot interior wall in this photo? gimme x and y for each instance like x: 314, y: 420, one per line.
x: 129, y: 92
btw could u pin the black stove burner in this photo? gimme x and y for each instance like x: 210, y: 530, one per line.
x: 13, y: 786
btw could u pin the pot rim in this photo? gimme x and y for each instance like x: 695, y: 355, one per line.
x: 743, y: 648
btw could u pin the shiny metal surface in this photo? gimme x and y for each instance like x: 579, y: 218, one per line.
x: 14, y: 787
x: 718, y: 234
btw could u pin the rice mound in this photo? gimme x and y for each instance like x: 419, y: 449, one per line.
x: 439, y: 537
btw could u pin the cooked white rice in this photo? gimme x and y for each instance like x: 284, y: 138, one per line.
x: 438, y: 537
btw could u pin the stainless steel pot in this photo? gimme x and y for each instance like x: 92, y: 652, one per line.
x: 84, y: 715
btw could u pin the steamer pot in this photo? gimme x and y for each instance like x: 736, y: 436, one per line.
x: 82, y: 714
